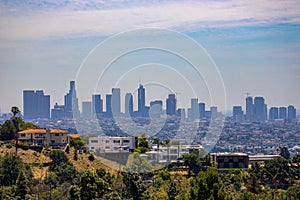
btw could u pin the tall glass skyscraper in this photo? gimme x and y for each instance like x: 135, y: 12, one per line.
x: 141, y: 99
x: 260, y: 109
x: 71, y: 102
x: 36, y: 104
x: 116, y: 101
x: 282, y: 113
x: 128, y: 105
x: 97, y: 105
x: 291, y: 113
x: 249, y: 109
x: 171, y: 104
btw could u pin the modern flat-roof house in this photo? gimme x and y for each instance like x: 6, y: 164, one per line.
x: 38, y: 137
x: 170, y: 154
x: 230, y: 160
x: 107, y: 144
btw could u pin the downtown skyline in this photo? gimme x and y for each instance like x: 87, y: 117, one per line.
x: 254, y: 45
x: 37, y: 105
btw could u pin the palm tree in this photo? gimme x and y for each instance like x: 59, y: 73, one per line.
x: 15, y: 110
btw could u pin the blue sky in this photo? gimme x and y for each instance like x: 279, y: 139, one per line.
x: 255, y: 44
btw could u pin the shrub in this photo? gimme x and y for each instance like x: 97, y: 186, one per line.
x: 9, y: 146
x: 91, y: 157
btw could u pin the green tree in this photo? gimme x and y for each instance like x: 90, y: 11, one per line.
x: 136, y: 163
x: 284, y: 152
x: 10, y: 167
x: 57, y: 157
x: 277, y: 173
x: 207, y: 185
x: 135, y: 188
x: 66, y: 172
x: 74, y: 192
x: 22, y: 185
x: 91, y: 157
x: 52, y: 180
x: 8, y: 131
x: 192, y: 161
x: 172, y: 191
x: 92, y: 186
x: 246, y: 195
x: 76, y: 143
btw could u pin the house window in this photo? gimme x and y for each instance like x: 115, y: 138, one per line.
x: 56, y: 134
x: 52, y: 141
x: 126, y: 141
x: 92, y: 147
x: 107, y: 141
x: 94, y: 141
x: 23, y: 135
x: 116, y: 141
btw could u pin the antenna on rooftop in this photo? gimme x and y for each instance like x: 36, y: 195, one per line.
x: 247, y: 94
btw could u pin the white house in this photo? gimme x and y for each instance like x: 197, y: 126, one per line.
x: 107, y: 144
x: 171, y: 153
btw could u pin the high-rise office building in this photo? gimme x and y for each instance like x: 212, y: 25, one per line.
x: 128, y: 105
x: 71, y: 102
x: 237, y: 110
x: 291, y: 113
x: 97, y: 105
x: 238, y: 114
x: 86, y: 110
x: 171, y: 104
x: 156, y: 108
x: 202, y: 110
x: 181, y: 113
x: 116, y: 101
x: 273, y: 113
x: 36, y: 104
x: 249, y: 109
x: 108, y: 102
x: 282, y: 113
x: 141, y: 99
x: 58, y: 112
x: 259, y: 109
x: 214, y: 112
x: 194, y: 109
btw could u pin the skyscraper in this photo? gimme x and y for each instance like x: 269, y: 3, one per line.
x: 128, y: 105
x: 171, y: 104
x: 71, y: 102
x: 238, y: 113
x: 214, y: 112
x: 282, y: 113
x: 141, y: 99
x: 202, y: 110
x: 97, y: 105
x: 273, y: 113
x: 156, y: 108
x: 116, y: 101
x: 58, y: 112
x: 194, y: 109
x: 86, y: 109
x: 291, y: 113
x: 181, y: 113
x: 237, y: 110
x: 249, y: 109
x: 36, y: 104
x: 260, y: 109
x: 108, y: 102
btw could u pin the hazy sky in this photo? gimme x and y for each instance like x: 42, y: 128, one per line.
x: 254, y: 44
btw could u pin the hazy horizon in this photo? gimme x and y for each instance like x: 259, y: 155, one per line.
x: 255, y: 46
